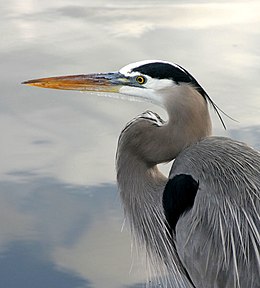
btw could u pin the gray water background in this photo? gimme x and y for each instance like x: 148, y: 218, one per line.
x: 60, y: 215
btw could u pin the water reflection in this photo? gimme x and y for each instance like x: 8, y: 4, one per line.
x: 60, y: 226
x: 69, y: 231
x: 25, y: 264
x: 61, y: 235
x: 250, y: 135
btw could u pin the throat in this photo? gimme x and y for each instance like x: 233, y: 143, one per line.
x: 145, y: 184
x: 139, y: 183
x: 141, y: 190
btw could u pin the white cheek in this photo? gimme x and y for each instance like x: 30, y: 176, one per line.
x: 141, y: 94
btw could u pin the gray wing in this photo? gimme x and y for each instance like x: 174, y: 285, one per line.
x: 218, y: 239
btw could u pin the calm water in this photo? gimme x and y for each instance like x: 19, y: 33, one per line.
x: 60, y: 216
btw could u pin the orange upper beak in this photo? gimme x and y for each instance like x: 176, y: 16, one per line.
x: 100, y: 82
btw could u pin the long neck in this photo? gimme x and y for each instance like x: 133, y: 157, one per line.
x: 141, y: 188
x: 189, y: 119
x: 141, y: 147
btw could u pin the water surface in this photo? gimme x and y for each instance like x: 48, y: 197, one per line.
x: 60, y: 215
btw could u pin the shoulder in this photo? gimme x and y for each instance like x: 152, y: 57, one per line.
x: 227, y: 174
x: 217, y: 182
x: 219, y: 155
x: 222, y: 145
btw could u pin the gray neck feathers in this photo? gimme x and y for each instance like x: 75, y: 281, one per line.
x: 141, y: 191
x: 142, y: 145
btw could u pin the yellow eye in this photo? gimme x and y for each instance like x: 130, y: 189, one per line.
x: 140, y: 79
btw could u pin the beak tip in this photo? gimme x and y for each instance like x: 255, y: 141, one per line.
x: 28, y: 82
x: 35, y: 83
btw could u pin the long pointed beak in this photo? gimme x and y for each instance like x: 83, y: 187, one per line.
x: 100, y: 82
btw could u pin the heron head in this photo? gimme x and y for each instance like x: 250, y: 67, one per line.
x: 144, y: 81
x: 153, y: 81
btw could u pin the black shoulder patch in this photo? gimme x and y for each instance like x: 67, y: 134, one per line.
x: 178, y: 197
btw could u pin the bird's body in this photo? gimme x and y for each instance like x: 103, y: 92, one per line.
x: 200, y: 226
x: 216, y: 242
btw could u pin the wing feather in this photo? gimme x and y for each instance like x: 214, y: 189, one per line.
x: 218, y: 240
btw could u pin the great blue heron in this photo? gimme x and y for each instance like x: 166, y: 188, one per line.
x: 201, y: 225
